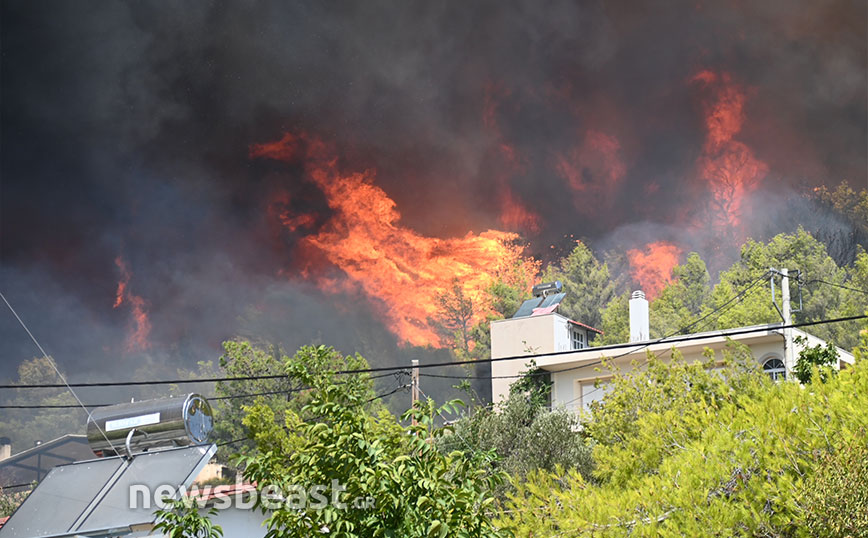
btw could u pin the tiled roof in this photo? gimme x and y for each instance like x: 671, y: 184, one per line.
x: 207, y: 493
x: 580, y: 324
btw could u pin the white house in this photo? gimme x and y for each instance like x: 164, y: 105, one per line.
x: 560, y: 346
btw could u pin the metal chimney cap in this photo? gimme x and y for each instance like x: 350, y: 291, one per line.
x: 638, y: 294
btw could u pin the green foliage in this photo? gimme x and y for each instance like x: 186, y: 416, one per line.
x: 181, y: 519
x: 535, y: 386
x: 241, y: 359
x: 11, y: 500
x: 26, y: 426
x: 680, y: 303
x: 392, y: 480
x: 616, y: 322
x: 524, y: 434
x: 835, y: 496
x: 723, y: 454
x: 852, y: 208
x: 587, y: 282
x: 658, y: 408
x: 819, y: 358
x: 792, y: 251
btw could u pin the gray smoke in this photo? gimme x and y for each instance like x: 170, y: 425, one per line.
x: 126, y: 129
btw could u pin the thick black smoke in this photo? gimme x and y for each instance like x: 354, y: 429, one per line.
x: 126, y: 126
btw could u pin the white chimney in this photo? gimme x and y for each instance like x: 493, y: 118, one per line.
x: 5, y: 448
x: 639, y: 327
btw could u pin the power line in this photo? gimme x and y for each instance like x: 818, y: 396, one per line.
x: 166, y: 381
x: 843, y: 287
x: 232, y: 397
x: 541, y: 372
x: 390, y: 370
x: 635, y: 347
x: 56, y: 369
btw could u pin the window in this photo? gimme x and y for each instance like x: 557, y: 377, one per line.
x: 594, y: 392
x: 774, y: 367
x: 578, y: 339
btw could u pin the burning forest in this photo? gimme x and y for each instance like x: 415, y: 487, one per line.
x: 336, y: 173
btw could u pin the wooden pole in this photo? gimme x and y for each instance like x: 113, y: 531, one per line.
x: 414, y: 386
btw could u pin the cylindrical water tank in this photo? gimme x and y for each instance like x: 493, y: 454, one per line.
x: 181, y: 421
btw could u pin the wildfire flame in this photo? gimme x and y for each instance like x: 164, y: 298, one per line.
x: 514, y: 214
x: 137, y: 339
x: 729, y: 166
x: 400, y: 271
x: 652, y: 267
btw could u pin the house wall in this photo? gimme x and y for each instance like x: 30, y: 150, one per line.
x: 575, y: 388
x: 524, y: 336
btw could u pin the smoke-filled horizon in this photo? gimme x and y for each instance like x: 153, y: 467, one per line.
x: 173, y: 176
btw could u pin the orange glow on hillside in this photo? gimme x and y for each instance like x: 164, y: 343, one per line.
x: 651, y: 267
x: 400, y: 271
x: 137, y: 339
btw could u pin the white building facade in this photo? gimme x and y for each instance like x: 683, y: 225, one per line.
x: 580, y: 374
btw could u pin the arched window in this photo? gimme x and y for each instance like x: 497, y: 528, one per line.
x: 775, y: 369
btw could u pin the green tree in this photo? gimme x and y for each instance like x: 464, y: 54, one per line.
x: 835, y: 496
x: 661, y: 396
x: 680, y: 303
x: 821, y: 298
x: 811, y: 358
x: 685, y: 451
x: 588, y: 284
x: 241, y: 359
x: 615, y: 322
x: 524, y: 433
x: 382, y: 479
x: 11, y: 500
x: 26, y: 426
x: 851, y: 207
x: 182, y: 519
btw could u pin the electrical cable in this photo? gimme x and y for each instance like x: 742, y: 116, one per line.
x: 168, y: 381
x: 637, y: 347
x: 57, y: 371
x: 232, y: 397
x: 843, y: 287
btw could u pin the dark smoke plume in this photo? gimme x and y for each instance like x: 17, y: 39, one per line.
x: 126, y: 129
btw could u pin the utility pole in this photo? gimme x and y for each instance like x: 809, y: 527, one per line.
x: 414, y: 386
x: 789, y: 354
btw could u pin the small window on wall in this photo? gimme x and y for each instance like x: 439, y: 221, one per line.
x: 578, y: 339
x: 775, y: 369
x: 594, y: 392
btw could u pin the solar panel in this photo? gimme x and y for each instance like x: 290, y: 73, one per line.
x: 551, y: 300
x: 93, y: 497
x: 527, y: 307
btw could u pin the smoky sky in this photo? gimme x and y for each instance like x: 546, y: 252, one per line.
x: 126, y: 128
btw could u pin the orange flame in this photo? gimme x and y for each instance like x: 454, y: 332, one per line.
x: 513, y: 213
x: 729, y: 166
x: 137, y: 339
x: 652, y: 268
x: 594, y: 170
x: 401, y: 272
